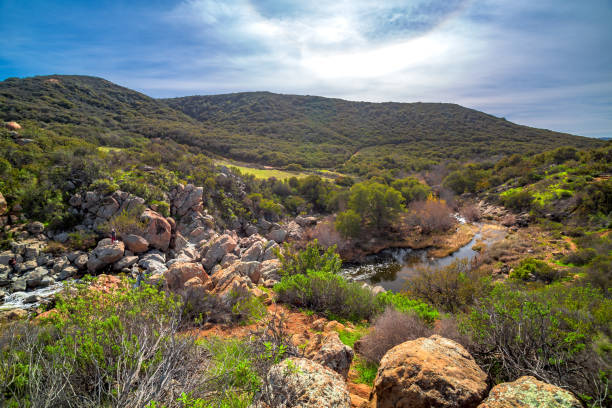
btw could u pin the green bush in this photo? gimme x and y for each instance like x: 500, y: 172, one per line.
x: 530, y: 267
x: 404, y: 304
x: 329, y: 294
x: 294, y: 261
x: 127, y: 222
x: 517, y: 199
x: 348, y: 224
x: 555, y: 333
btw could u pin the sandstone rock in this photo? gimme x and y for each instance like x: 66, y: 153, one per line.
x: 334, y: 354
x: 190, y: 198
x: 428, y: 372
x: 136, y: 243
x: 228, y: 259
x: 105, y: 253
x: 253, y: 253
x: 35, y: 227
x: 298, y: 382
x: 81, y: 261
x: 294, y: 231
x: 221, y: 246
x: 68, y: 272
x: 34, y: 278
x: 3, y: 205
x: 270, y: 252
x: 269, y: 270
x: 305, y: 221
x: 277, y: 235
x: 159, y: 231
x: 125, y: 262
x: 527, y: 392
x: 181, y: 272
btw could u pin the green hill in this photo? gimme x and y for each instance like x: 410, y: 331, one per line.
x: 272, y: 129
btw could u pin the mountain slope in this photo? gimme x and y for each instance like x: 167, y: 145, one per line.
x: 266, y: 128
x: 384, y: 134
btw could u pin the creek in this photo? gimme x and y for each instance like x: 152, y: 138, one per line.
x: 392, y: 267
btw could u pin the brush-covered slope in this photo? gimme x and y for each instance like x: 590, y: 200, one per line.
x: 266, y: 128
x: 381, y: 134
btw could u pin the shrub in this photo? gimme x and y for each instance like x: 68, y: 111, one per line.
x: 404, y: 304
x: 549, y: 333
x: 82, y: 240
x: 329, y: 294
x: 127, y: 222
x: 450, y: 288
x: 471, y: 213
x: 390, y: 329
x: 376, y: 203
x: 530, y: 267
x: 294, y: 261
x: 517, y: 199
x: 118, y: 349
x: 348, y: 224
x: 431, y: 216
x: 580, y: 257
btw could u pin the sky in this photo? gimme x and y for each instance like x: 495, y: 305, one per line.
x: 545, y: 63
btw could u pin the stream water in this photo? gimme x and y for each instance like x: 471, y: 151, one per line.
x: 393, y: 266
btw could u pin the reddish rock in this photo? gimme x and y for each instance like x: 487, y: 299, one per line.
x: 13, y: 126
x: 181, y: 272
x: 158, y: 231
x: 136, y: 243
x: 428, y: 372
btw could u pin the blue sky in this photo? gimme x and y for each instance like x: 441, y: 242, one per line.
x: 545, y: 63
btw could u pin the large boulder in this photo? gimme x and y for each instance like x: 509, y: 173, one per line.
x: 158, y: 231
x: 181, y: 272
x: 35, y: 227
x: 270, y: 270
x: 106, y: 253
x: 428, y: 372
x: 3, y: 205
x: 294, y: 231
x: 298, y: 382
x: 189, y: 198
x: 136, y: 243
x: 278, y: 235
x: 527, y: 392
x: 334, y: 354
x: 253, y: 253
x: 220, y: 246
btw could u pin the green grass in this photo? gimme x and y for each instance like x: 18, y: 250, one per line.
x: 107, y: 149
x: 264, y: 173
x: 349, y: 337
x: 366, y: 372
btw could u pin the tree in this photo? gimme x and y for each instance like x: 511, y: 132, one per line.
x: 348, y: 223
x: 412, y: 189
x: 376, y: 203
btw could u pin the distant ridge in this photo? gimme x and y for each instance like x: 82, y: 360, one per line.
x: 274, y: 129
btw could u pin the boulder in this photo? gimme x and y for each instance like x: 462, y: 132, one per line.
x: 189, y: 198
x: 305, y: 221
x: 81, y: 261
x: 76, y: 200
x: 277, y: 235
x: 334, y: 354
x: 181, y: 272
x: 19, y: 285
x: 158, y: 231
x: 294, y: 231
x: 125, y: 262
x: 253, y: 253
x: 3, y: 205
x: 35, y: 227
x: 298, y: 382
x: 221, y: 246
x: 270, y: 269
x: 154, y: 262
x: 428, y: 372
x: 527, y: 392
x: 106, y: 253
x: 68, y: 272
x: 270, y: 252
x: 12, y: 125
x: 108, y: 208
x: 34, y: 278
x: 136, y: 243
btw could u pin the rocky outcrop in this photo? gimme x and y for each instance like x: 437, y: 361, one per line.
x: 294, y: 231
x: 278, y: 235
x: 104, y: 254
x: 219, y: 247
x: 181, y: 272
x: 330, y: 352
x: 527, y: 392
x: 3, y: 205
x: 298, y: 382
x: 428, y: 372
x: 136, y: 243
x: 185, y: 199
x: 158, y: 232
